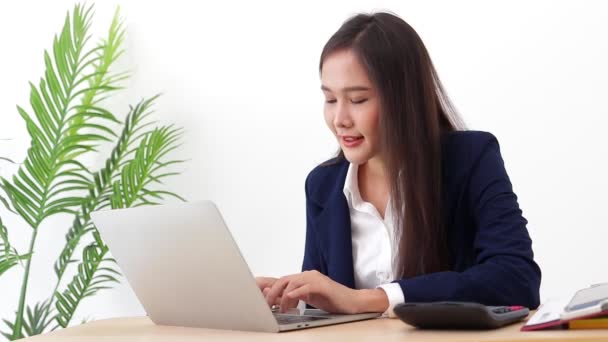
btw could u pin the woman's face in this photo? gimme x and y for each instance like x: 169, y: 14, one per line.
x: 351, y: 106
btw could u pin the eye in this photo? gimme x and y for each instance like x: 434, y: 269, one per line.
x: 358, y: 101
x: 330, y: 101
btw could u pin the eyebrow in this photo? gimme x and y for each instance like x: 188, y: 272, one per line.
x: 348, y: 89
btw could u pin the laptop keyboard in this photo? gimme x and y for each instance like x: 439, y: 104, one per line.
x: 289, y: 319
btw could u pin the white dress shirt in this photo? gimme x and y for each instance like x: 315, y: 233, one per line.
x: 374, y: 245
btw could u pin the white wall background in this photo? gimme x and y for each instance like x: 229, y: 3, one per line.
x: 242, y: 78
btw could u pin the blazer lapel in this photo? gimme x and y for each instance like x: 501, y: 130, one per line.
x: 333, y: 227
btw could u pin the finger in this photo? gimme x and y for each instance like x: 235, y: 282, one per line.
x: 308, y: 282
x: 263, y: 282
x: 276, y: 290
x: 286, y: 302
x: 301, y: 293
x: 260, y: 282
x: 265, y: 293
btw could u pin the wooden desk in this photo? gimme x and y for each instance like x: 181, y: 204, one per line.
x: 377, y: 330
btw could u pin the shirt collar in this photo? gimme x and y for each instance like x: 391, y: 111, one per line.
x: 351, y: 186
x: 353, y: 196
x: 350, y: 183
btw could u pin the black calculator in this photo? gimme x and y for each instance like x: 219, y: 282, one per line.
x: 459, y: 315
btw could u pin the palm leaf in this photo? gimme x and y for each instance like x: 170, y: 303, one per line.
x: 103, y: 82
x: 64, y: 122
x: 133, y: 189
x: 100, y: 186
x: 52, y: 151
x: 48, y: 161
x: 80, y: 226
x: 6, y: 203
x: 7, y: 160
x: 9, y: 256
x: 91, y: 277
x: 134, y: 185
x: 11, y: 326
x: 37, y: 319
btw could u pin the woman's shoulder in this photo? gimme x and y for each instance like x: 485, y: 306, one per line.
x: 463, y: 151
x: 467, y: 140
x: 467, y: 146
x: 327, y: 177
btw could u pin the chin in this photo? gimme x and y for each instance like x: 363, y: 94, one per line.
x: 356, y: 158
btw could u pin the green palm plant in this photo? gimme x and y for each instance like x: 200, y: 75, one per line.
x: 68, y: 123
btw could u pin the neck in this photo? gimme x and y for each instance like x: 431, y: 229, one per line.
x: 373, y: 169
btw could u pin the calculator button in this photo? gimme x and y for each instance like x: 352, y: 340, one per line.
x: 501, y: 310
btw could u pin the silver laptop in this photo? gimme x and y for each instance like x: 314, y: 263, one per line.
x: 186, y: 270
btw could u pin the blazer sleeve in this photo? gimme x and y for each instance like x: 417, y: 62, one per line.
x: 312, y: 255
x: 504, y: 272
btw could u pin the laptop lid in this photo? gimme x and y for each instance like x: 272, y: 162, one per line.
x: 185, y: 267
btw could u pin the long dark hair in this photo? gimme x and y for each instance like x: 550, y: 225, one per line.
x: 414, y: 114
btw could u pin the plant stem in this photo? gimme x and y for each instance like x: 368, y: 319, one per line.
x: 19, y: 320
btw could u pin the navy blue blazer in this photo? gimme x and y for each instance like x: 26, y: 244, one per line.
x: 490, y: 249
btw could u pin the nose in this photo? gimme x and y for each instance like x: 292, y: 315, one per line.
x: 342, y: 118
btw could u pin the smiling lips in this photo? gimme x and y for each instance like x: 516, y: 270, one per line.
x: 351, y: 141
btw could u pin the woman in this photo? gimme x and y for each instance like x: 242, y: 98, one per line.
x: 413, y: 208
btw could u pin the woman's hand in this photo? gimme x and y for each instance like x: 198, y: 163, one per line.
x: 265, y: 282
x: 322, y: 292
